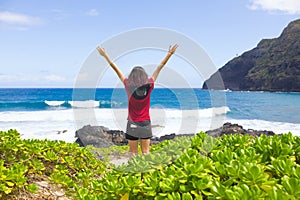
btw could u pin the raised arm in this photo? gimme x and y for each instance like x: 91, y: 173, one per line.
x: 171, y: 51
x: 103, y: 53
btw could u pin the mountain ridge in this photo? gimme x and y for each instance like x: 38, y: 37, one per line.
x: 273, y: 65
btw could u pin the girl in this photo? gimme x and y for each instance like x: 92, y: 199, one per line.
x: 138, y: 88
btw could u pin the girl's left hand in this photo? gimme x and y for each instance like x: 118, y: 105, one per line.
x: 101, y: 51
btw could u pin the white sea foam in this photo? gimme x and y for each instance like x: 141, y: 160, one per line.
x: 54, y: 103
x: 62, y: 124
x: 113, y: 103
x: 84, y: 104
x: 276, y: 127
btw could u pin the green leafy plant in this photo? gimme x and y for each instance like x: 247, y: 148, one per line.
x: 25, y: 161
x: 198, y: 167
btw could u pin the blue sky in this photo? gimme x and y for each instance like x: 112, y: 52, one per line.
x: 44, y: 43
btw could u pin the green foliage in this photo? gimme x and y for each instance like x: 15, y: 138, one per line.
x: 106, y: 153
x: 24, y: 161
x: 273, y: 65
x: 199, y: 167
x: 230, y: 167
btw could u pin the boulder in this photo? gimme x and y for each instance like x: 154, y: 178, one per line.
x: 117, y: 137
x: 93, y: 135
x: 102, y: 137
x: 229, y: 128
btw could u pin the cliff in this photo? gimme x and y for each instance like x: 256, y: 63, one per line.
x: 274, y: 65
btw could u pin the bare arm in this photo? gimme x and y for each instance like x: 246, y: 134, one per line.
x: 171, y: 51
x: 103, y: 53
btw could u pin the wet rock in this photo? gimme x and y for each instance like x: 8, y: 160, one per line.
x: 102, y: 137
x: 93, y: 135
x: 165, y: 137
x: 99, y: 136
x: 229, y: 128
x: 117, y: 137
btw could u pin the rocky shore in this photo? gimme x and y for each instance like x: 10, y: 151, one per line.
x: 103, y: 137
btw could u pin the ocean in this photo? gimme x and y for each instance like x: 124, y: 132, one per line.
x: 55, y: 114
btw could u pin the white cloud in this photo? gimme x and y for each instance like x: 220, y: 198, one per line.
x: 12, y: 20
x: 92, y: 12
x: 284, y: 6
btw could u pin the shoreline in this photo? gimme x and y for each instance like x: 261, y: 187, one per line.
x: 85, y: 137
x: 102, y: 137
x: 66, y: 132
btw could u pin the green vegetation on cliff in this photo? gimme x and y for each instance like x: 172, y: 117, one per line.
x: 274, y: 65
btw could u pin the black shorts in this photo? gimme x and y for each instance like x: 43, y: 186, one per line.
x: 138, y: 130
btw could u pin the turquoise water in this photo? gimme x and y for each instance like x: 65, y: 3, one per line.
x: 280, y: 107
x: 42, y: 113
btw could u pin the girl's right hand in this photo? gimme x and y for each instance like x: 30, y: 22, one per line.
x: 173, y: 48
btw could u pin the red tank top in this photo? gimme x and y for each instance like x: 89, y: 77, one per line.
x: 138, y: 109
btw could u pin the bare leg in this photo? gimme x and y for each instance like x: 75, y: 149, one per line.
x: 133, y: 147
x: 145, y: 145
